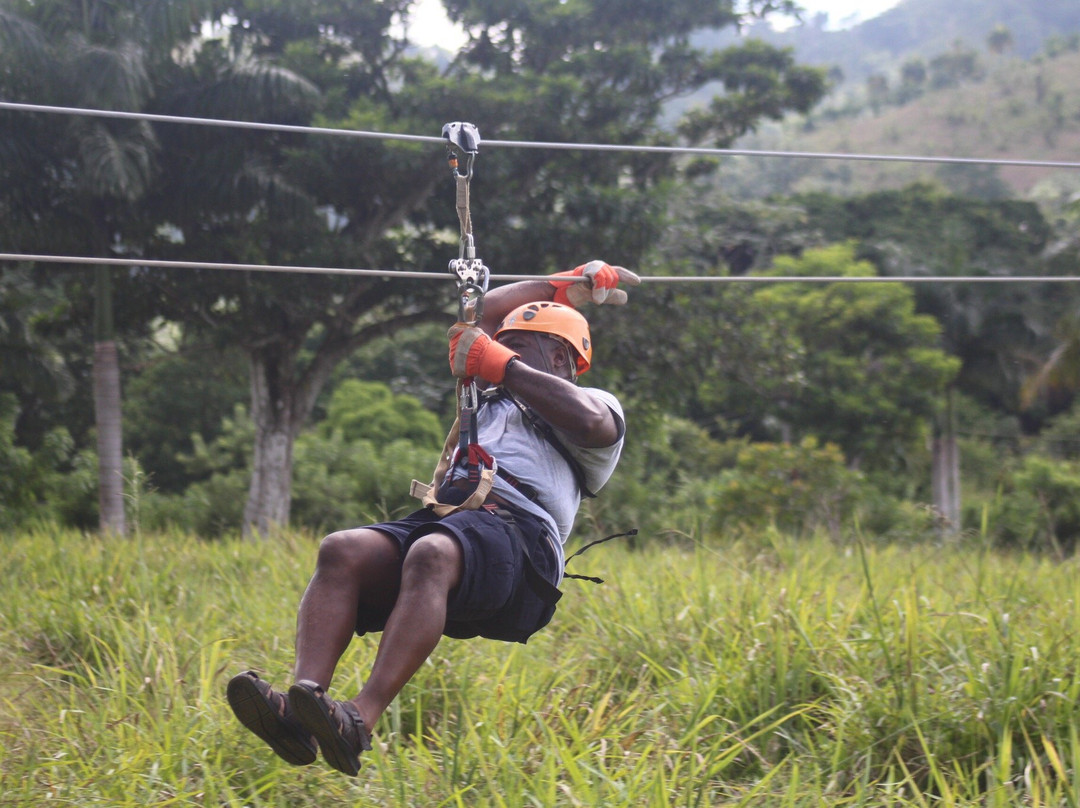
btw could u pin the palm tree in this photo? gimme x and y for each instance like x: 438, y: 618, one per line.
x: 99, y: 54
x: 1061, y: 370
x: 117, y: 181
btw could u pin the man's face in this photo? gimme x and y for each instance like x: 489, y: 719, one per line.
x: 540, y: 352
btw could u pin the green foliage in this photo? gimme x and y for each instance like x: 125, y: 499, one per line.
x: 34, y: 487
x: 576, y: 71
x: 1039, y: 507
x: 363, y: 410
x: 663, y: 479
x: 210, y: 508
x: 957, y: 65
x: 179, y: 398
x: 15, y: 465
x: 353, y: 468
x: 993, y: 330
x: 1060, y: 438
x: 773, y: 673
x: 867, y: 372
x: 341, y: 483
x: 803, y: 487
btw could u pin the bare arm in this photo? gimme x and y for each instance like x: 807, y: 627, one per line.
x: 502, y: 300
x: 586, y: 420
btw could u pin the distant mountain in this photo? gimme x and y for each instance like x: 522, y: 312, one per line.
x: 1008, y: 109
x: 918, y: 28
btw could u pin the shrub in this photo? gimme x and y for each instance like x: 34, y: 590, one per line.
x: 1038, y: 507
x: 663, y: 479
x: 43, y: 485
x: 370, y: 411
x: 353, y: 473
x: 799, y: 487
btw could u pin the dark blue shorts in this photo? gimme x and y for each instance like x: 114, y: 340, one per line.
x: 506, y: 590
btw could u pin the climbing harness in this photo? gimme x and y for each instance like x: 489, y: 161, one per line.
x: 462, y: 146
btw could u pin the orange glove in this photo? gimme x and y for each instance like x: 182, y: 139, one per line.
x: 474, y: 353
x: 600, y: 286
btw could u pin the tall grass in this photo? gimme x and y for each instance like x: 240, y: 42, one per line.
x: 764, y: 673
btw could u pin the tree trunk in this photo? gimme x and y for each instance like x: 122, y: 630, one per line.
x: 272, y: 412
x: 107, y: 414
x: 281, y: 403
x: 945, y: 471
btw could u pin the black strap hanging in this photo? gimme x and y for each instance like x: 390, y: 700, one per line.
x: 629, y: 533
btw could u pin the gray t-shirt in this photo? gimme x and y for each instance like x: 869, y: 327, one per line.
x: 523, y: 452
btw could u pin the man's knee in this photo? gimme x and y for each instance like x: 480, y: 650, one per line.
x: 434, y: 557
x: 352, y: 551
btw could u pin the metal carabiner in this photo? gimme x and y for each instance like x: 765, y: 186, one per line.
x: 472, y: 278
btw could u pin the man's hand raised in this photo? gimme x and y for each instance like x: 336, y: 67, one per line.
x: 600, y: 285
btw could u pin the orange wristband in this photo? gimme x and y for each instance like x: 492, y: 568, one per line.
x: 488, y: 360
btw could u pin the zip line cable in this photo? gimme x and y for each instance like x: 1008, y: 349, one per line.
x: 390, y: 273
x: 139, y: 263
x: 525, y: 144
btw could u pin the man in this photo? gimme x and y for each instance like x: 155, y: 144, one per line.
x: 487, y: 571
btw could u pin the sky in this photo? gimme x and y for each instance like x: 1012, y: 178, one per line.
x: 429, y: 26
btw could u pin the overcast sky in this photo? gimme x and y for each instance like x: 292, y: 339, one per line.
x: 428, y: 24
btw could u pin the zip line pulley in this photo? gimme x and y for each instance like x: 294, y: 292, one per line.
x: 462, y: 146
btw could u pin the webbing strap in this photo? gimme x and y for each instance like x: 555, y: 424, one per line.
x: 464, y: 216
x: 630, y: 533
x: 486, y: 476
x: 541, y: 586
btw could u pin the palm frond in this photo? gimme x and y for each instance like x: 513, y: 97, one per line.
x: 21, y: 42
x: 107, y: 77
x: 256, y: 183
x: 1061, y: 369
x: 116, y: 163
x: 167, y: 22
x: 253, y: 89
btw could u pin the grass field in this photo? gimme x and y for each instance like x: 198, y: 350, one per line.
x: 780, y: 673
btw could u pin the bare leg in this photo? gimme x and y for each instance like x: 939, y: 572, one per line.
x: 353, y: 566
x: 432, y: 568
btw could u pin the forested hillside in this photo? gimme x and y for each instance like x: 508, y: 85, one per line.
x: 922, y: 28
x: 972, y: 103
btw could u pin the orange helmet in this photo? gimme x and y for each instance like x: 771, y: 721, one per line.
x: 558, y: 321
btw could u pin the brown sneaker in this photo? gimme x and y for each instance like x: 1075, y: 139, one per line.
x: 270, y: 716
x: 338, y: 728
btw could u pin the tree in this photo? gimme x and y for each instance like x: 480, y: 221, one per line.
x: 954, y: 66
x: 877, y: 89
x: 861, y: 368
x: 912, y: 79
x: 93, y: 172
x: 96, y: 54
x: 995, y: 329
x: 587, y: 71
x: 849, y: 364
x: 1061, y: 370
